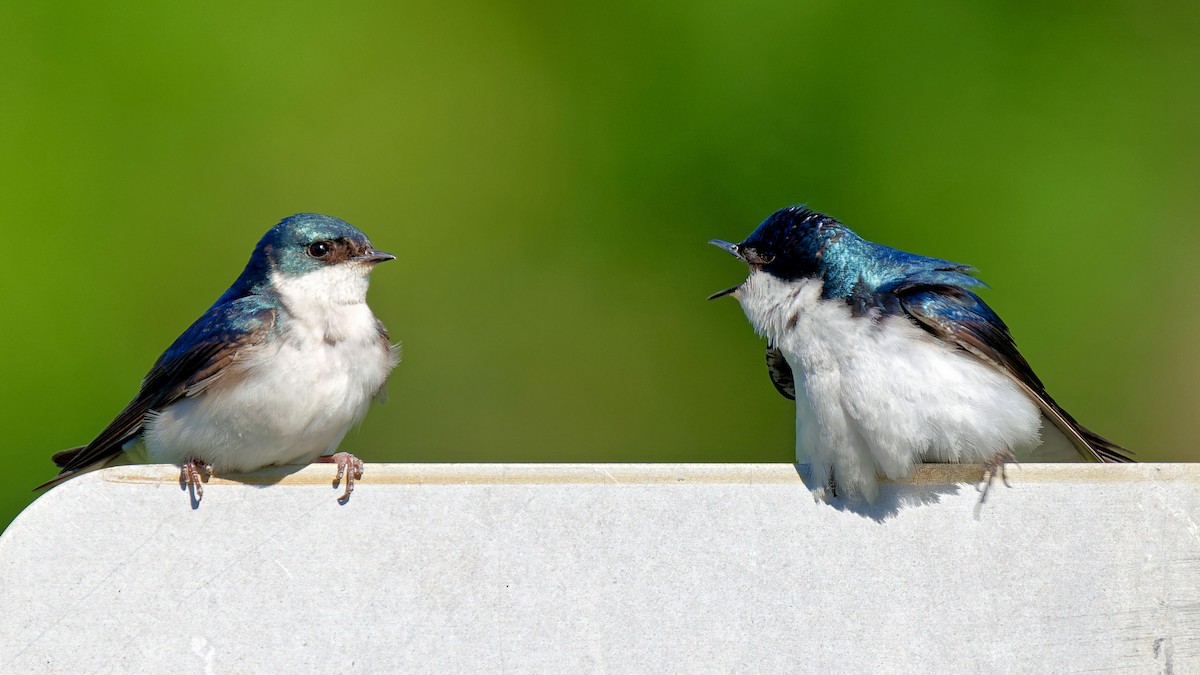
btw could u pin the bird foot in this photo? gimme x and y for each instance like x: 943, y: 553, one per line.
x: 349, y: 466
x: 195, y: 472
x: 997, y: 466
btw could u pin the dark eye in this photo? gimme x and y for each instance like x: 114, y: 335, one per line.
x: 318, y: 249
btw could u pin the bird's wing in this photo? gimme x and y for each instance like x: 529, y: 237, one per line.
x: 959, y: 317
x: 197, y: 359
x: 781, y: 373
x: 393, y: 351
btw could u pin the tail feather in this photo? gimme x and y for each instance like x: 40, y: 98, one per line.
x: 1095, y: 446
x: 64, y: 458
x: 1104, y: 449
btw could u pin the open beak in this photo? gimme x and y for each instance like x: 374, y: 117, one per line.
x: 732, y: 249
x: 727, y: 291
x: 374, y: 257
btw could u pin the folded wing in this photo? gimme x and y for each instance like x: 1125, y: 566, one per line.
x: 197, y: 359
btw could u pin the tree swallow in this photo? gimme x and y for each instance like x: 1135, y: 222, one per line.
x: 275, y: 372
x: 891, y: 358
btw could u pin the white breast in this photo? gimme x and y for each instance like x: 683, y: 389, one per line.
x: 881, y: 395
x: 292, y: 397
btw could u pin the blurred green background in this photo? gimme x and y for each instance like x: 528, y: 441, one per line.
x: 548, y: 174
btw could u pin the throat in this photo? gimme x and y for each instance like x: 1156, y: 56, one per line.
x: 332, y: 322
x: 343, y: 284
x: 775, y: 307
x: 327, y: 305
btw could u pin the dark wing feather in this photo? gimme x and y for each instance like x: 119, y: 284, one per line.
x: 959, y: 317
x: 393, y: 352
x: 198, y: 358
x: 781, y: 373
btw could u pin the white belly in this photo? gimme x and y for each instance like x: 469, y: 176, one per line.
x: 880, y: 396
x: 295, y: 398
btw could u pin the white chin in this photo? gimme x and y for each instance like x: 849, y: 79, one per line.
x: 342, y: 284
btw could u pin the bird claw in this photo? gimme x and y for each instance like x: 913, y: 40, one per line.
x: 195, y: 473
x: 997, y: 465
x: 349, y: 466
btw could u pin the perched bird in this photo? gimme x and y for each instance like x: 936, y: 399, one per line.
x: 891, y: 358
x: 275, y: 372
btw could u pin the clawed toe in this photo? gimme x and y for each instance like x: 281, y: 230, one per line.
x: 997, y: 465
x: 195, y: 473
x: 349, y: 466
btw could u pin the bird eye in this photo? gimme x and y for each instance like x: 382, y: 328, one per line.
x: 318, y: 249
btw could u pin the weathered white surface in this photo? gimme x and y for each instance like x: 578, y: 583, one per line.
x: 626, y: 568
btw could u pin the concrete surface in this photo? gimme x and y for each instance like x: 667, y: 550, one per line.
x: 606, y: 568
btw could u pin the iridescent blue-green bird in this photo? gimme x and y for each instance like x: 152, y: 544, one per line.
x: 275, y: 372
x: 892, y: 359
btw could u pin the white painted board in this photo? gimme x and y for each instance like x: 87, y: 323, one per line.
x: 606, y: 568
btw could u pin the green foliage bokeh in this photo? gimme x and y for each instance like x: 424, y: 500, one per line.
x: 548, y: 174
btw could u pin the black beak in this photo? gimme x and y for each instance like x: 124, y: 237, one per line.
x: 733, y: 250
x: 373, y: 257
x: 721, y: 294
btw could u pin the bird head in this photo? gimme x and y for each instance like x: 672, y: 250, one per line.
x: 788, y: 245
x: 317, y: 255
